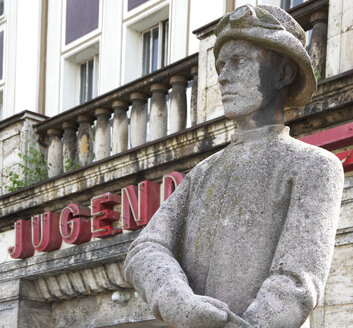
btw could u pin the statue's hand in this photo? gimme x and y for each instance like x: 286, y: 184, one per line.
x: 236, y: 322
x: 193, y: 311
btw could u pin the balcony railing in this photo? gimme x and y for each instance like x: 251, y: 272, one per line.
x: 85, y: 133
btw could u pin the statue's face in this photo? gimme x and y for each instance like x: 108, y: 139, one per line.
x: 246, y: 79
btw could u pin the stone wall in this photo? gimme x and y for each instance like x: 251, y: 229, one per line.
x: 339, y: 37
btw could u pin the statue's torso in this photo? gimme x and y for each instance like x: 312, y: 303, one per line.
x: 238, y: 204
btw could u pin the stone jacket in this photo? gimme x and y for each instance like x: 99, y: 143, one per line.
x: 253, y: 226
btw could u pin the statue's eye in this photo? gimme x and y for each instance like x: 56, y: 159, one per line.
x: 219, y: 66
x: 241, y: 61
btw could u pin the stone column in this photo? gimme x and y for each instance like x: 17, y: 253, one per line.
x: 158, y: 112
x: 178, y: 104
x: 317, y: 50
x: 102, y: 140
x: 193, y: 102
x: 138, y: 119
x: 120, y: 126
x: 69, y: 145
x: 55, y: 155
x: 85, y: 140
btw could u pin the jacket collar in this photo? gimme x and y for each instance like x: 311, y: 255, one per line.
x: 241, y: 136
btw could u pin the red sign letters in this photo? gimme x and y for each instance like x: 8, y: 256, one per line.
x: 108, y: 215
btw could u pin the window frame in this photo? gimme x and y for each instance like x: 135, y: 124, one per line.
x: 162, y: 51
x: 288, y: 4
x: 70, y: 84
x: 86, y: 98
x: 65, y: 48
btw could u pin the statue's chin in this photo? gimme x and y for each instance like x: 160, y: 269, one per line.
x: 238, y: 112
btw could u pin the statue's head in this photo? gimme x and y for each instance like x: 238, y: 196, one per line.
x: 261, y: 58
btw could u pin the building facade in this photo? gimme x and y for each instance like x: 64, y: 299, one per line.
x: 105, y: 105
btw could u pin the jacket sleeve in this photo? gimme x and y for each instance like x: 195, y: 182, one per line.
x: 303, y: 255
x: 151, y: 260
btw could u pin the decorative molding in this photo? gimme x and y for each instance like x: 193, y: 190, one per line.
x: 66, y: 285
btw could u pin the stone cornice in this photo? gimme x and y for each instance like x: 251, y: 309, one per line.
x: 104, y: 255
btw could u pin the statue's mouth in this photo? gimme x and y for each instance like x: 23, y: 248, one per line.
x: 228, y: 94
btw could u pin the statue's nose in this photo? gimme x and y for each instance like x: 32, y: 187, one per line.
x: 222, y: 80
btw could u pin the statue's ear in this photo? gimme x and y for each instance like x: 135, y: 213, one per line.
x: 287, y: 73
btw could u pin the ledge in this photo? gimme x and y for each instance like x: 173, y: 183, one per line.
x: 75, y: 258
x: 180, y: 151
x: 21, y: 116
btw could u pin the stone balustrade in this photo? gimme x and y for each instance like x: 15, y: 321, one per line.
x: 126, y: 117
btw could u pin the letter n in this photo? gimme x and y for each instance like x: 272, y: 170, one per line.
x: 45, y: 232
x: 138, y: 204
x: 23, y: 247
x: 75, y: 225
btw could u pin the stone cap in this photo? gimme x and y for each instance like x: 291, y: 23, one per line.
x: 273, y: 28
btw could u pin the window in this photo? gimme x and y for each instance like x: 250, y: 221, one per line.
x: 86, y: 81
x: 155, y: 48
x: 80, y: 75
x: 131, y: 4
x: 81, y: 18
x: 287, y: 4
x: 1, y: 7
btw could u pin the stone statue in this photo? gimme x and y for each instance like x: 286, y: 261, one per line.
x: 247, y: 238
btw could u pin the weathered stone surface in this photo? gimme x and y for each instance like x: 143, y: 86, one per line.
x: 69, y: 142
x: 340, y: 278
x: 339, y: 45
x: 102, y: 137
x: 318, y: 43
x: 15, y: 134
x: 120, y: 127
x: 246, y: 240
x: 55, y: 158
x: 81, y: 257
x: 138, y: 119
x: 158, y: 111
x: 21, y: 306
x: 178, y: 105
x: 101, y: 311
x: 84, y: 140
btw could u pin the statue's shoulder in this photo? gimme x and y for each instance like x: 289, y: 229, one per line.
x: 201, y: 168
x: 313, y: 157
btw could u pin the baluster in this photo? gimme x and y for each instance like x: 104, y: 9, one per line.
x: 55, y: 156
x: 102, y: 140
x: 158, y: 112
x: 69, y: 144
x: 318, y: 43
x: 193, y: 102
x: 178, y: 104
x: 120, y: 126
x: 138, y: 119
x: 85, y: 140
